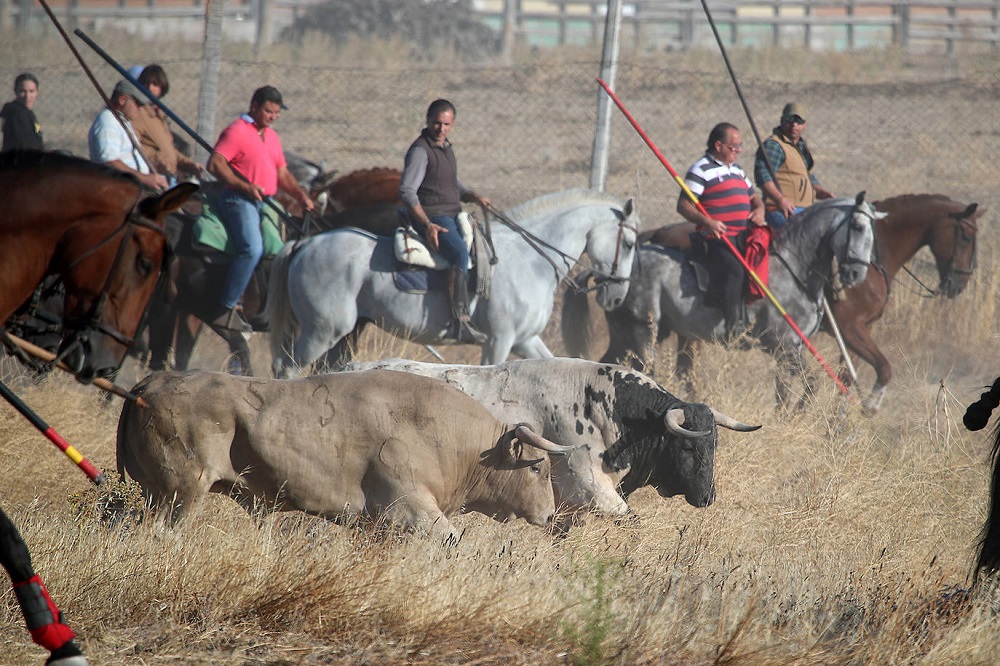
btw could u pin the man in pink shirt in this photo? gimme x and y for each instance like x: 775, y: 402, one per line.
x: 249, y: 160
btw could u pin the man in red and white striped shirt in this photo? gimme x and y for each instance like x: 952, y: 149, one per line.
x: 727, y: 195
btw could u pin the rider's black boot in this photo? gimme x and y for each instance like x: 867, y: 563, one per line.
x: 462, y: 329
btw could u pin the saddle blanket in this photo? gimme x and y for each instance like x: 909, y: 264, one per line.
x: 210, y: 232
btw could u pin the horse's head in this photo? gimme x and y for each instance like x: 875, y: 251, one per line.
x: 109, y: 281
x: 852, y: 241
x: 611, y: 248
x: 953, y: 243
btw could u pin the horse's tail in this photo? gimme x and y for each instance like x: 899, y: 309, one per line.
x: 576, y: 317
x: 278, y: 309
x: 976, y: 418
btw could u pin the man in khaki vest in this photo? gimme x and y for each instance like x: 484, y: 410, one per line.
x: 789, y: 186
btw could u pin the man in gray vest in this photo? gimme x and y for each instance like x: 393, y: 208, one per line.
x: 433, y: 195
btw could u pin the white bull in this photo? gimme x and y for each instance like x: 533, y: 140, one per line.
x: 408, y: 447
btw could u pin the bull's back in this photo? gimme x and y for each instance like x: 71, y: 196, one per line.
x: 316, y: 442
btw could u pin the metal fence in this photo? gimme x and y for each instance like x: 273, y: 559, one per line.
x: 916, y: 25
x: 525, y: 131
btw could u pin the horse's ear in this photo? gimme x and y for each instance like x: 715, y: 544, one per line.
x: 860, y: 199
x: 169, y: 201
x: 629, y: 207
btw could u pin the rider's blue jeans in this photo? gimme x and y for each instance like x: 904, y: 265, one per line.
x: 242, y: 219
x: 451, y: 245
x: 776, y: 219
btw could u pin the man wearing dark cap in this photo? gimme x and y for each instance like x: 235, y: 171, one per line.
x: 249, y: 161
x: 112, y: 141
x: 789, y: 186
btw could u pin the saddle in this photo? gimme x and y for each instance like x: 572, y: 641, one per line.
x: 419, y: 269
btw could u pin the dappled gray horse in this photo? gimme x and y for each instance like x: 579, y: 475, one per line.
x: 326, y: 288
x: 664, y: 296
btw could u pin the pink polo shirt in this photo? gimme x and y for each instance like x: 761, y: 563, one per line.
x: 257, y: 157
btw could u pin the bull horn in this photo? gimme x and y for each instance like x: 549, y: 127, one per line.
x: 673, y: 420
x: 731, y: 423
x: 526, y: 434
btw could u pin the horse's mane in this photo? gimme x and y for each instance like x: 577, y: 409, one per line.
x: 560, y: 200
x: 910, y: 199
x: 30, y: 159
x: 903, y: 209
x: 791, y: 232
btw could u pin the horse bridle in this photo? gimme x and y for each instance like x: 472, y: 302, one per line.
x: 950, y: 272
x: 80, y: 327
x: 537, y: 243
x: 848, y: 259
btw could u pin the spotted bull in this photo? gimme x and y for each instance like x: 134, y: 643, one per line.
x: 380, y: 443
x: 628, y: 431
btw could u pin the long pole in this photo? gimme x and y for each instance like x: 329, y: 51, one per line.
x: 173, y: 116
x: 100, y: 91
x: 92, y: 472
x: 753, y: 275
x: 770, y: 169
x: 47, y: 356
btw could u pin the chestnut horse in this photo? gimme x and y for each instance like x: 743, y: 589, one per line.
x: 367, y: 199
x: 372, y: 192
x: 67, y: 216
x: 948, y: 228
x: 913, y: 221
x: 84, y: 222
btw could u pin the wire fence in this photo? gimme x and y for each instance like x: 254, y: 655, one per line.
x: 528, y: 130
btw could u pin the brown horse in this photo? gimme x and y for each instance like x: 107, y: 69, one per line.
x: 86, y: 223
x: 373, y: 192
x: 913, y: 221
x: 367, y: 199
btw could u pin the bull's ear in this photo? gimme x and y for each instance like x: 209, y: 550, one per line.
x: 509, y: 446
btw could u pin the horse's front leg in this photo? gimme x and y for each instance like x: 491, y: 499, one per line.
x: 497, y: 348
x: 239, y: 355
x: 686, y: 349
x: 533, y: 347
x: 859, y: 340
x: 790, y: 365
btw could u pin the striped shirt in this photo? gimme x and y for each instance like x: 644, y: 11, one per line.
x: 724, y: 191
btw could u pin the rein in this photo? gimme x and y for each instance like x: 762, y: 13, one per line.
x: 93, y: 321
x: 537, y: 244
x: 950, y: 271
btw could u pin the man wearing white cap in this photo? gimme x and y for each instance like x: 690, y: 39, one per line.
x: 111, y: 139
x: 791, y: 186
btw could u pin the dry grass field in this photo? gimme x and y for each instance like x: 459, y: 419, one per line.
x: 836, y: 538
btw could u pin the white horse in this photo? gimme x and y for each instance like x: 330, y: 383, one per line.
x: 664, y: 296
x: 329, y: 286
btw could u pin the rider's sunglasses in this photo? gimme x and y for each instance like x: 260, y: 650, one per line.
x: 796, y: 120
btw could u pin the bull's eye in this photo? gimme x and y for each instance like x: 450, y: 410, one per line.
x: 144, y: 266
x: 536, y: 469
